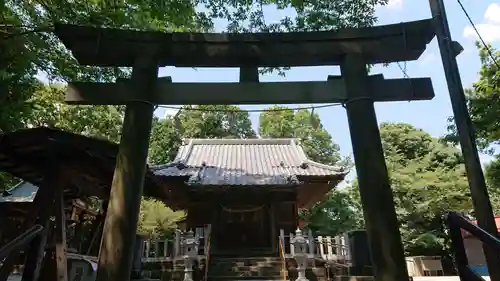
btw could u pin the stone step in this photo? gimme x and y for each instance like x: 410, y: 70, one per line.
x: 246, y: 271
x: 230, y: 265
x: 224, y: 268
x: 244, y: 254
x: 352, y: 278
x: 246, y: 274
x: 244, y: 257
x: 244, y: 278
x: 242, y: 261
x: 239, y: 279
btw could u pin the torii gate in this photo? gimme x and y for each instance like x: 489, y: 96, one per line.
x: 353, y: 49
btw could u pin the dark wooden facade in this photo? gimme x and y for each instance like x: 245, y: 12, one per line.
x: 245, y: 220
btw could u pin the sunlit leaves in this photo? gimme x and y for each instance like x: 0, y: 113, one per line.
x: 204, y: 121
x: 484, y: 102
x: 156, y: 220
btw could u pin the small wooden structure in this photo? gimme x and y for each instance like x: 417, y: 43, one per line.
x: 247, y: 190
x: 16, y: 202
x: 62, y: 170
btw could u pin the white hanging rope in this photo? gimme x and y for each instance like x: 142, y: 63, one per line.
x: 242, y: 210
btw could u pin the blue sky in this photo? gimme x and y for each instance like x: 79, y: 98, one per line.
x: 428, y: 115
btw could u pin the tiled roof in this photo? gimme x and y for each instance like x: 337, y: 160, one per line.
x: 243, y: 162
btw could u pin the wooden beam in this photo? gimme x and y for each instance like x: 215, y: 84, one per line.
x: 118, y: 47
x: 375, y: 191
x: 8, y: 264
x: 249, y: 75
x: 331, y: 91
x: 36, y: 250
x: 60, y: 233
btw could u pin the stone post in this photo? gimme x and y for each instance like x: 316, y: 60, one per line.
x: 137, y: 262
x: 191, y: 253
x: 300, y: 254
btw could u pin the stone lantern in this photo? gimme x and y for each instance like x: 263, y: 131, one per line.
x: 300, y: 254
x: 191, y: 253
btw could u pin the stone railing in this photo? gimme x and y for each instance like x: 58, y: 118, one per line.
x: 327, y: 248
x: 172, y: 249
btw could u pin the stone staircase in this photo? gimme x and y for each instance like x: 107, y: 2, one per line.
x: 232, y: 268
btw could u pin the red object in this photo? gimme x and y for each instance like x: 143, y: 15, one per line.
x: 466, y: 234
x: 302, y: 223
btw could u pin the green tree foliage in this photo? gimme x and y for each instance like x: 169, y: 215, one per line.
x: 334, y: 214
x: 337, y: 214
x: 492, y: 173
x: 428, y: 179
x: 157, y: 220
x: 164, y: 142
x: 215, y: 121
x: 483, y: 101
x: 48, y: 109
x: 203, y: 121
x: 28, y: 47
x: 278, y: 122
x: 40, y: 50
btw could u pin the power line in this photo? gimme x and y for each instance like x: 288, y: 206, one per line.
x: 490, y: 53
x: 250, y: 110
x: 403, y: 70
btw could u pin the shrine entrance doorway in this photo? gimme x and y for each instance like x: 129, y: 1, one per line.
x: 242, y: 228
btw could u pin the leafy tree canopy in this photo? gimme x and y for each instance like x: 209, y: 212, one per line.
x: 334, y: 214
x: 203, y: 121
x: 428, y: 179
x: 157, y: 220
x: 482, y: 100
x: 483, y: 103
x: 47, y: 108
x: 278, y: 122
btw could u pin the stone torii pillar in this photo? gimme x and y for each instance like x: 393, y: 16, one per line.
x: 120, y: 227
x: 375, y: 191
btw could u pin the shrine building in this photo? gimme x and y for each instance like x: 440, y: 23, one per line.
x: 247, y: 190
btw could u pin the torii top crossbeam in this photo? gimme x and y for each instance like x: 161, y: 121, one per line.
x: 117, y: 47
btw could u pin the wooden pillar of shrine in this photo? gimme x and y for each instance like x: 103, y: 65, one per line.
x: 272, y: 221
x: 36, y: 248
x: 60, y: 233
x: 376, y: 194
x: 119, y: 233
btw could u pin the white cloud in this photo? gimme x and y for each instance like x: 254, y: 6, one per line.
x: 428, y: 59
x: 395, y: 4
x: 489, y: 28
x: 492, y: 13
x: 485, y: 159
x: 170, y: 112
